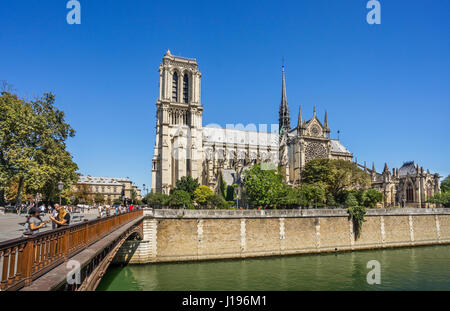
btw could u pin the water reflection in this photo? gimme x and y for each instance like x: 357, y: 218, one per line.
x: 421, y: 268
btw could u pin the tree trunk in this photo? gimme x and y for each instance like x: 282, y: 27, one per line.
x: 2, y: 197
x: 19, y: 192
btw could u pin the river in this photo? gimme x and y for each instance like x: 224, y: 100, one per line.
x: 416, y: 268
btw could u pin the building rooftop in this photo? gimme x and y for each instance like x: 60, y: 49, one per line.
x: 336, y: 146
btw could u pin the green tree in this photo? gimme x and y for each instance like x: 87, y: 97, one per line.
x: 230, y: 193
x: 99, y: 199
x: 351, y: 200
x: 157, y: 199
x: 312, y: 194
x: 216, y: 201
x: 445, y: 184
x: 263, y: 187
x: 330, y: 200
x: 371, y: 197
x: 201, y: 194
x: 33, y: 146
x: 336, y: 175
x: 188, y: 184
x: 179, y: 198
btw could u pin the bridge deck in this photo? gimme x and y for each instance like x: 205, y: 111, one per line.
x: 27, y: 259
x: 56, y: 278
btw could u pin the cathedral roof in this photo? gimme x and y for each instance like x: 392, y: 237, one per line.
x: 336, y: 146
x: 408, y: 168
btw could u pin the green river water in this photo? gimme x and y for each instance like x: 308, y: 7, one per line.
x: 416, y: 268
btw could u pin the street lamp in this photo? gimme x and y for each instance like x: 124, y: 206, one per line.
x: 60, y: 188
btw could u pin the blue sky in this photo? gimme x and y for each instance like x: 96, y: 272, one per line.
x: 386, y: 87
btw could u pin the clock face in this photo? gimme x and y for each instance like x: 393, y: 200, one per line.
x: 315, y: 130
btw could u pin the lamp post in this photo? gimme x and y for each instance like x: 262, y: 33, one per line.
x: 60, y: 188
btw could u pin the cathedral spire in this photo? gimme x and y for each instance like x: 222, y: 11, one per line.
x: 386, y: 169
x: 300, y: 120
x: 325, y: 124
x: 284, y: 120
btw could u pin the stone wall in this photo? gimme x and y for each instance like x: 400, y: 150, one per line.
x: 181, y: 235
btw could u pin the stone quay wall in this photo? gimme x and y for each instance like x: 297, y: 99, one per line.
x: 189, y: 235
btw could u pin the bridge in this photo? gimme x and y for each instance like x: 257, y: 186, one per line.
x: 43, y: 261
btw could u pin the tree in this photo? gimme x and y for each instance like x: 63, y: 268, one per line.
x: 371, y: 197
x: 263, y: 187
x: 157, y: 199
x: 33, y: 146
x: 351, y: 200
x: 445, y: 184
x: 179, y: 198
x: 441, y: 198
x: 202, y: 193
x: 216, y: 201
x: 230, y: 194
x: 336, y: 175
x: 312, y: 194
x: 99, y: 199
x: 134, y: 196
x: 188, y: 184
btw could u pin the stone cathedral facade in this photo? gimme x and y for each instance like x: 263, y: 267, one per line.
x: 184, y: 147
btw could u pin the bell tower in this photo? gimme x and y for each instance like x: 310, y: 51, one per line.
x: 178, y: 143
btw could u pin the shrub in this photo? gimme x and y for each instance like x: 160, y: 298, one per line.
x: 351, y: 201
x: 179, y: 198
x: 201, y: 194
x: 357, y: 216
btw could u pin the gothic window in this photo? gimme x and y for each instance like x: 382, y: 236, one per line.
x: 315, y: 150
x: 409, y: 193
x: 185, y: 88
x: 175, y: 87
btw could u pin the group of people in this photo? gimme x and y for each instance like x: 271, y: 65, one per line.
x: 106, y: 211
x: 59, y: 217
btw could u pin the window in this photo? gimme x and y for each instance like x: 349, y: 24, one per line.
x: 185, y: 88
x: 175, y: 87
x: 409, y: 194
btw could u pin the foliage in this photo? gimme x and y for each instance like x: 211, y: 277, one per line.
x: 217, y: 201
x: 33, y: 146
x: 330, y: 200
x: 312, y: 194
x: 336, y: 175
x: 351, y: 201
x: 179, y: 198
x: 263, y: 187
x: 357, y: 214
x: 99, y: 199
x: 371, y: 197
x: 188, y: 184
x: 230, y: 194
x: 441, y: 198
x: 445, y: 184
x: 202, y: 193
x: 157, y: 199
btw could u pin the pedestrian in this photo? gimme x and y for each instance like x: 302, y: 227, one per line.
x: 63, y: 218
x: 34, y: 221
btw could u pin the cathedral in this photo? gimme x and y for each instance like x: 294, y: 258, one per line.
x: 184, y: 147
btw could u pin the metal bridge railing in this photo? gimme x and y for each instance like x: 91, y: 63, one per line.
x: 25, y: 259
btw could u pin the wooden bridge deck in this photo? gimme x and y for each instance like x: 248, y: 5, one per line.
x: 41, y: 257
